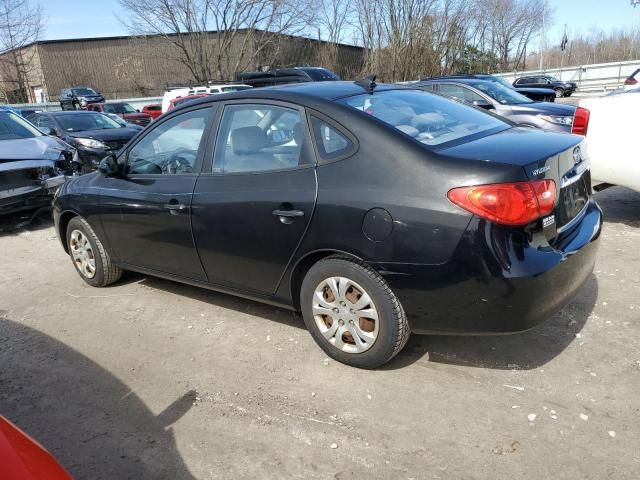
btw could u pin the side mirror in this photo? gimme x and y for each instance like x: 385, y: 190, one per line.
x: 49, y: 131
x: 483, y: 104
x: 138, y: 110
x: 548, y: 82
x: 108, y: 166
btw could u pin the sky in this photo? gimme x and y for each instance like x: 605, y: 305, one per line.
x: 98, y: 18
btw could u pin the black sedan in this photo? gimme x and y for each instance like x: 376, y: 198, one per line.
x: 374, y: 210
x: 93, y: 134
x: 504, y: 101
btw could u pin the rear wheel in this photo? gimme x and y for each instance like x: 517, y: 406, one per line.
x: 88, y: 255
x: 559, y: 92
x: 352, y: 313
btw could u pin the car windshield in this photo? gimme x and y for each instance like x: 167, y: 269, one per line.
x: 554, y: 79
x: 14, y: 127
x: 119, y: 108
x: 81, y: 121
x: 500, y: 93
x: 322, y: 75
x: 84, y: 91
x: 429, y: 118
x: 501, y: 81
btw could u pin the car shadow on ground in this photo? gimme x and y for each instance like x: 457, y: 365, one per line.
x: 527, y: 350
x: 89, y: 420
x: 620, y: 205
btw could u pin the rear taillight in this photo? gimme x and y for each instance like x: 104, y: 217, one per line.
x: 516, y: 203
x: 630, y: 81
x: 580, y: 121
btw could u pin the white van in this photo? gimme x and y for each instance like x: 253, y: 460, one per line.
x: 200, y: 90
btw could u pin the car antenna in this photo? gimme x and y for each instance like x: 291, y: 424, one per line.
x: 368, y: 83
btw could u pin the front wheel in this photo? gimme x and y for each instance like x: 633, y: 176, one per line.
x: 88, y: 255
x: 559, y: 92
x: 352, y: 314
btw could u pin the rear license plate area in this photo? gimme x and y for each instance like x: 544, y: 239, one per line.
x: 573, y: 199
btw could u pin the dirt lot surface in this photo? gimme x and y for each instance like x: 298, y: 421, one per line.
x: 150, y: 379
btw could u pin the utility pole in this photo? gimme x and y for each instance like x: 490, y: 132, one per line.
x: 634, y: 4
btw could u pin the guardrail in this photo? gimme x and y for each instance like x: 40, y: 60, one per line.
x: 136, y: 103
x: 598, y: 77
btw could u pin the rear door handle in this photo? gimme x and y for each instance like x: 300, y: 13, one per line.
x: 288, y: 216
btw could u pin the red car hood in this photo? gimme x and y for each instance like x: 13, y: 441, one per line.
x: 22, y: 458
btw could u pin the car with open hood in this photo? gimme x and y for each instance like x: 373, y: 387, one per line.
x: 32, y: 165
x: 94, y: 135
x: 375, y: 210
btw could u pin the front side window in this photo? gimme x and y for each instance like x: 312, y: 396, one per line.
x: 81, y: 121
x: 430, y: 119
x: 84, y: 91
x: 13, y: 127
x: 502, y: 94
x: 172, y: 147
x: 255, y: 138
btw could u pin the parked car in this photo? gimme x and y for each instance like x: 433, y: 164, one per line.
x: 562, y: 89
x: 631, y: 81
x: 23, y: 458
x: 535, y: 94
x: 281, y: 76
x: 123, y: 122
x: 209, y: 89
x: 155, y: 110
x: 609, y: 126
x: 504, y: 101
x: 7, y: 108
x: 93, y: 134
x: 77, y: 98
x: 32, y: 165
x: 376, y: 210
x: 124, y: 111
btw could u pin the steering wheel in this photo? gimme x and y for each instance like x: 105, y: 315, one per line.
x: 180, y: 162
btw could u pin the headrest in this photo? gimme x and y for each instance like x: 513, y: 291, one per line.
x: 298, y: 134
x: 426, y: 121
x: 247, y: 140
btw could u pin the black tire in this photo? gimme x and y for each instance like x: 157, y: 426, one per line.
x: 393, y: 328
x: 106, y: 272
x: 559, y: 92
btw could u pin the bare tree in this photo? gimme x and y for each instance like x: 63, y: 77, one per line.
x: 218, y: 38
x: 20, y: 27
x: 332, y: 19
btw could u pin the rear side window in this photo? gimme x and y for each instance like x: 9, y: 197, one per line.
x: 331, y: 142
x: 258, y: 138
x: 430, y: 119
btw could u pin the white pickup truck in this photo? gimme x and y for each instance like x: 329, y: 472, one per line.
x: 613, y: 139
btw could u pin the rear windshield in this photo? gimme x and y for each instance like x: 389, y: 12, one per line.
x: 504, y: 95
x: 235, y: 88
x: 119, y: 108
x: 80, y: 122
x: 13, y: 127
x: 322, y: 75
x: 429, y: 118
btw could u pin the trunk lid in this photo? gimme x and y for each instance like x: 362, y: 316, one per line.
x: 543, y: 155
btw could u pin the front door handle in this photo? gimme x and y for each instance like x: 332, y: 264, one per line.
x: 175, y: 208
x: 288, y: 216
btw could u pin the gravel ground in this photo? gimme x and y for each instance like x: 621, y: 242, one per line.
x: 150, y: 379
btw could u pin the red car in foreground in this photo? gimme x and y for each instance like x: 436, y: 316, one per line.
x: 22, y: 458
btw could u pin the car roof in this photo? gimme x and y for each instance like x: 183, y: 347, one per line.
x: 471, y: 80
x: 71, y: 112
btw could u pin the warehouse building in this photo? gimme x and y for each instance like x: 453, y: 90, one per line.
x: 132, y: 66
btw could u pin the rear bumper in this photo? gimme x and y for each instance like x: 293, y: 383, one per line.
x: 498, y: 281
